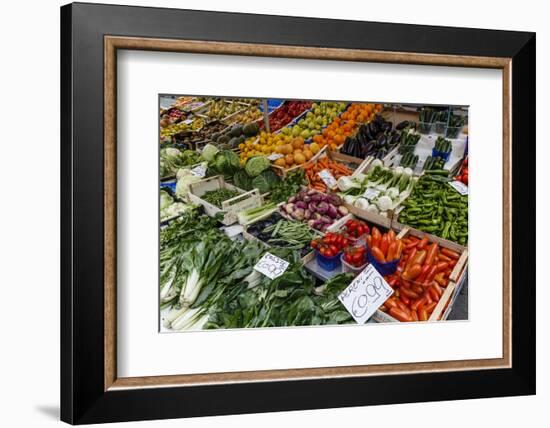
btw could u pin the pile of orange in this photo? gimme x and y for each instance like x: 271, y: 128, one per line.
x: 361, y: 113
x: 346, y: 124
x: 335, y: 134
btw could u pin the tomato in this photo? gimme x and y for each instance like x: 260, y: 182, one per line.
x: 402, y: 306
x: 422, y: 243
x: 334, y: 249
x: 418, y: 289
x: 315, y: 244
x: 433, y: 294
x: 410, y: 258
x: 328, y: 253
x: 409, y: 293
x: 440, y: 267
x: 376, y: 236
x: 399, y: 249
x: 378, y: 254
x: 369, y: 241
x: 392, y: 249
x: 437, y: 288
x: 384, y: 244
x: 429, y: 308
x: 400, y: 315
x: 358, y: 258
x: 419, y: 258
x: 412, y: 272
x: 423, y: 315
x: 443, y: 257
x: 423, y: 277
x: 450, y: 253
x: 418, y: 303
x: 432, y: 251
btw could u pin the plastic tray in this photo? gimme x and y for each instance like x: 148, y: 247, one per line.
x: 442, y: 155
x: 382, y: 268
x: 169, y: 184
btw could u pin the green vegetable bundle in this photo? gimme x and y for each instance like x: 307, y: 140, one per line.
x: 443, y: 146
x: 437, y: 208
x: 216, y: 197
x: 289, y: 186
x: 433, y: 163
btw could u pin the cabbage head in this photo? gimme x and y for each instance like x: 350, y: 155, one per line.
x: 227, y: 163
x: 256, y: 165
x: 265, y: 181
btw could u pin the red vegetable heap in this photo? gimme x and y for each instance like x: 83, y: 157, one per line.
x: 286, y: 113
x: 385, y: 247
x: 331, y: 244
x: 421, y: 276
x: 463, y: 174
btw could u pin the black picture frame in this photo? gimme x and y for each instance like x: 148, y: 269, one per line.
x: 83, y: 398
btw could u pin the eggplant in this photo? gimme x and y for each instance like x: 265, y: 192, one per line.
x: 387, y: 126
x: 382, y: 140
x: 402, y: 125
x: 373, y: 128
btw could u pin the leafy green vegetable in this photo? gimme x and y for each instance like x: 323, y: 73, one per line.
x: 209, y: 152
x: 226, y: 162
x: 289, y: 186
x: 256, y: 165
x: 198, y: 262
x: 165, y: 199
x: 242, y: 180
x: 265, y: 181
x: 171, y: 159
x: 285, y: 301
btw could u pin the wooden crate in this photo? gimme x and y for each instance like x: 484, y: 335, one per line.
x: 284, y: 171
x: 305, y: 258
x: 456, y: 278
x: 337, y: 225
x: 371, y: 217
x: 230, y: 207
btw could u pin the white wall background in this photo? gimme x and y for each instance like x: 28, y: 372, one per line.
x: 29, y: 215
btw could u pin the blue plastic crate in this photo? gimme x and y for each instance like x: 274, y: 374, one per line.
x: 169, y: 184
x: 272, y: 104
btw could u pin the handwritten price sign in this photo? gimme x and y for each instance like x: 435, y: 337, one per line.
x: 271, y: 266
x: 366, y: 293
x: 459, y: 187
x: 199, y: 171
x: 328, y: 178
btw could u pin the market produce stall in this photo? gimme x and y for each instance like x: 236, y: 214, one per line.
x: 263, y: 229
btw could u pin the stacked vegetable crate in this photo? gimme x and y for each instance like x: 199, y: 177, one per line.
x: 230, y: 207
x: 456, y: 278
x: 298, y: 235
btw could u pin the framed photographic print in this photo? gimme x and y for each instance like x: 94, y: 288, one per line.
x: 266, y: 213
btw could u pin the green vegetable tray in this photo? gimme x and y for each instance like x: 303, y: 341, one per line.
x: 230, y: 207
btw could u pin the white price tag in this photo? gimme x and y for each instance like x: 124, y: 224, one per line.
x: 366, y: 293
x: 371, y: 193
x: 459, y: 186
x: 271, y: 266
x: 275, y: 156
x: 328, y: 178
x: 188, y: 121
x: 199, y: 171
